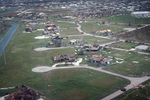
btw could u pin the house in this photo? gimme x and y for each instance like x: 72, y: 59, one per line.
x: 104, y: 32
x: 91, y: 47
x: 98, y: 59
x: 63, y: 58
x: 49, y: 29
x: 76, y: 41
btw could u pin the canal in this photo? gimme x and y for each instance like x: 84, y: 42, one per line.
x: 5, y: 40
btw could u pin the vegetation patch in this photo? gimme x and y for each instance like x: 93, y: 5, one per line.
x: 72, y: 84
x: 124, y: 45
x: 127, y: 19
x: 128, y: 67
x: 4, y: 29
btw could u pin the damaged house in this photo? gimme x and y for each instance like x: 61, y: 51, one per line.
x: 98, y: 59
x: 64, y: 58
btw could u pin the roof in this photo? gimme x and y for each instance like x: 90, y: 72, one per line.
x: 99, y: 58
x: 64, y: 57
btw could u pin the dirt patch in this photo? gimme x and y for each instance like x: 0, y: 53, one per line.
x: 42, y: 69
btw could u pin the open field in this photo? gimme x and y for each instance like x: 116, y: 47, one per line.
x: 73, y: 84
x: 127, y: 19
x: 124, y: 45
x: 136, y: 94
x: 67, y: 28
x: 92, y: 27
x: 128, y: 68
x: 88, y: 40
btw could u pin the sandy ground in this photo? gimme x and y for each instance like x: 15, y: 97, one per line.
x: 41, y: 49
x: 42, y: 37
x: 42, y: 69
x: 129, y: 29
x: 44, y: 48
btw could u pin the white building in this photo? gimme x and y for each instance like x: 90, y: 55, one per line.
x: 141, y: 14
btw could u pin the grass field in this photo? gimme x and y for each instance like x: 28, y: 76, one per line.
x: 88, y: 40
x: 124, y: 45
x: 128, y: 68
x: 92, y: 27
x: 67, y: 28
x: 127, y: 19
x: 69, y: 84
x: 74, y: 84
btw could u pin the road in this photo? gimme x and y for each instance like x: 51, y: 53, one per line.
x: 133, y: 80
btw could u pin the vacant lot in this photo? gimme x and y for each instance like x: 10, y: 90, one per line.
x: 92, y: 27
x: 129, y: 67
x: 88, y: 40
x: 127, y: 19
x: 124, y: 45
x: 80, y: 84
x: 67, y: 28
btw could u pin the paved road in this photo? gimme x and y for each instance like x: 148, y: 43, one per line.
x: 5, y: 40
x: 134, y: 80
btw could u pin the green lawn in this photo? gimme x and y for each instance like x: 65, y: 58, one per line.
x: 74, y: 84
x: 124, y: 45
x: 67, y: 28
x: 92, y: 27
x: 128, y: 68
x: 69, y: 84
x: 88, y: 40
x: 127, y: 19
